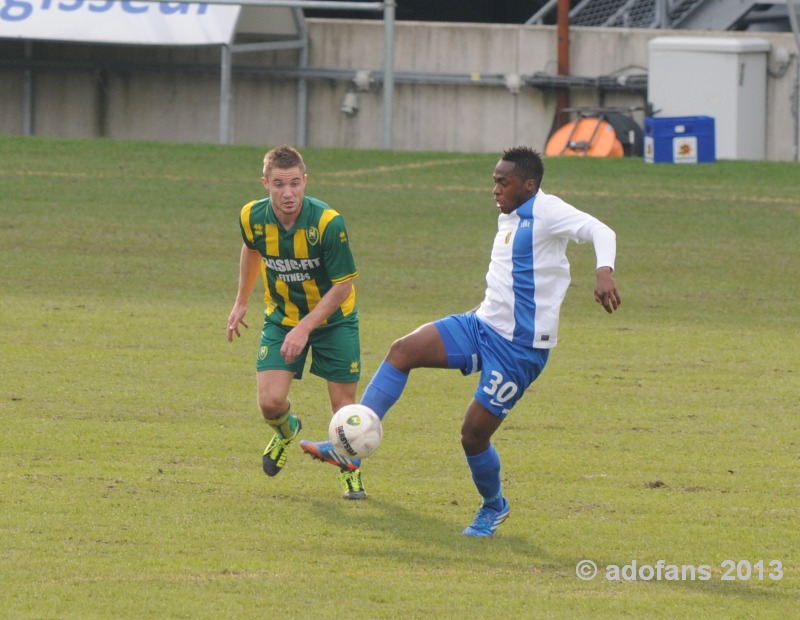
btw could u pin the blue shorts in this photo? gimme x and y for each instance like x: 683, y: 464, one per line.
x: 507, y: 369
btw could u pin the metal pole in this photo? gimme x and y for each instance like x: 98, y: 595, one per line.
x: 791, y: 7
x: 388, y: 72
x: 225, y: 95
x: 562, y: 100
x: 27, y: 92
x: 301, y: 124
x: 538, y: 17
x: 376, y: 6
x: 660, y: 19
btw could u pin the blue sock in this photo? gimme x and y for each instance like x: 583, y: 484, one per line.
x: 384, y: 389
x: 485, y: 468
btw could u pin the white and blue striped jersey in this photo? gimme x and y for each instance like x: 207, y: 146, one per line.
x: 529, y: 273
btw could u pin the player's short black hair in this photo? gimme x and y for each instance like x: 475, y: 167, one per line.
x: 527, y: 163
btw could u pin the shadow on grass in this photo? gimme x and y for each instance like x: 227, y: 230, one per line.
x: 417, y: 537
x: 432, y: 542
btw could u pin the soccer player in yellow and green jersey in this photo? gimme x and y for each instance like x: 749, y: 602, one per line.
x: 301, y: 248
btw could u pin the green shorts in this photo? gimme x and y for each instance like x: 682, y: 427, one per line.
x: 335, y: 351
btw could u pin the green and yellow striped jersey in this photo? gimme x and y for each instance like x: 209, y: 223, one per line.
x: 302, y: 264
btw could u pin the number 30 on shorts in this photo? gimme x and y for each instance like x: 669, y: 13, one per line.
x: 499, y: 390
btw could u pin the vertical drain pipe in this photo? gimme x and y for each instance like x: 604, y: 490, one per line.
x: 226, y: 95
x: 562, y: 100
x: 388, y: 73
x: 27, y: 91
x: 301, y: 124
x: 791, y: 7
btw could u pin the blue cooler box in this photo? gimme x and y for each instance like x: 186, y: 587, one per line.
x: 679, y: 140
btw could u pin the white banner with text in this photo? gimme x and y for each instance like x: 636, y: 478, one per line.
x: 118, y: 21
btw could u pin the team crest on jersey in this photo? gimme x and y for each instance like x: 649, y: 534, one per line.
x: 262, y: 353
x: 258, y: 229
x: 508, y: 238
x: 342, y: 237
x: 312, y: 234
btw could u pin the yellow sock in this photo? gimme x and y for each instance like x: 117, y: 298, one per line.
x: 285, y: 424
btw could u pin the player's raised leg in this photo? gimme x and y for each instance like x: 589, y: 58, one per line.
x: 422, y: 348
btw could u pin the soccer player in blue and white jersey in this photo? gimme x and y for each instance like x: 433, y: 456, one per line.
x: 508, y: 337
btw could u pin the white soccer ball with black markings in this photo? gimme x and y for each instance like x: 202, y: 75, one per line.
x: 355, y: 431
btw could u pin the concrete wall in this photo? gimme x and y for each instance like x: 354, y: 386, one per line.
x: 173, y: 94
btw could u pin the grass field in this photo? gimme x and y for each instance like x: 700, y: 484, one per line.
x: 130, y: 477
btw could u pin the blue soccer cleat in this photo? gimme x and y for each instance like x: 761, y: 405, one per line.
x: 323, y: 451
x: 487, y: 520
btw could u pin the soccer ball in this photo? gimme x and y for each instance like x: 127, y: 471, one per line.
x: 355, y: 431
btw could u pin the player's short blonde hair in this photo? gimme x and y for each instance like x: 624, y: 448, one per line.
x: 282, y: 157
